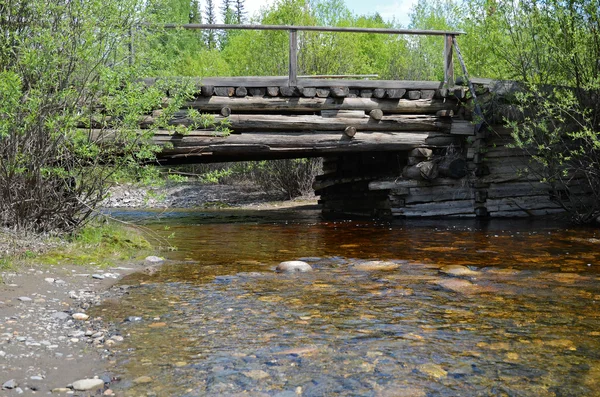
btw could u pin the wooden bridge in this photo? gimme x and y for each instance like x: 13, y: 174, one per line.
x: 307, y: 116
x: 390, y: 147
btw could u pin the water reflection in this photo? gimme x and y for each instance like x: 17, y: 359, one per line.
x: 522, y: 320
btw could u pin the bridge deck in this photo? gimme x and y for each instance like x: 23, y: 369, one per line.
x: 269, y: 119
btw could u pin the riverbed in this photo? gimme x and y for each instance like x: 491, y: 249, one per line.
x: 520, y: 318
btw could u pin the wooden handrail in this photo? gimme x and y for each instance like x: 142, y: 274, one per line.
x: 196, y: 26
x: 449, y: 39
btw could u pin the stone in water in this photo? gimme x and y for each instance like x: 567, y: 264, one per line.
x: 293, y: 266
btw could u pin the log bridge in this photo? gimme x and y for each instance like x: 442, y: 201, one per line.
x: 390, y: 147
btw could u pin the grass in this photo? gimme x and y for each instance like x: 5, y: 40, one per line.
x: 98, y: 244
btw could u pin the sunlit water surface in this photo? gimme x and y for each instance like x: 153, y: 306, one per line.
x: 218, y: 320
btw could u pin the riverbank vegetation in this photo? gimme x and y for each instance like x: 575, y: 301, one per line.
x: 71, y: 96
x: 98, y: 243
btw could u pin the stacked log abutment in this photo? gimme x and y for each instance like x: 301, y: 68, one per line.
x: 506, y: 178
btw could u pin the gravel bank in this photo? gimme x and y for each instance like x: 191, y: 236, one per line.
x: 188, y: 195
x: 47, y: 341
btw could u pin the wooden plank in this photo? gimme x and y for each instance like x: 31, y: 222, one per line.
x: 398, y: 183
x: 278, y: 104
x: 441, y: 195
x: 520, y: 203
x: 462, y: 127
x: 448, y: 62
x: 293, y: 59
x: 442, y: 208
x: 525, y: 213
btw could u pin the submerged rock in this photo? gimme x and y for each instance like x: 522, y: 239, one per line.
x: 458, y: 270
x: 153, y: 260
x: 374, y: 266
x: 458, y: 285
x: 293, y: 266
x: 433, y: 370
x: 142, y: 380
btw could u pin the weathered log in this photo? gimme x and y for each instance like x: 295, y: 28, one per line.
x: 442, y: 139
x: 395, y: 93
x: 308, y: 92
x: 462, y: 127
x: 425, y: 170
x: 376, y: 114
x: 413, y: 95
x: 273, y: 91
x: 379, y: 93
x: 289, y: 91
x: 339, y: 92
x: 260, y: 92
x: 453, y: 167
x: 427, y: 94
x: 354, y: 114
x: 366, y: 93
x: 460, y: 93
x: 421, y: 152
x: 241, y: 91
x: 225, y: 111
x: 323, y: 92
x: 445, y: 113
x: 195, y: 145
x: 207, y: 90
x: 224, y: 91
x: 350, y: 131
x: 353, y: 93
x: 279, y: 104
x: 283, y: 123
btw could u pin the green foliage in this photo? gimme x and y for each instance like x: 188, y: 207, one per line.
x: 216, y: 176
x: 70, y: 106
x: 293, y: 177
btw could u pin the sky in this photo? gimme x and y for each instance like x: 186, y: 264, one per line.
x: 390, y: 10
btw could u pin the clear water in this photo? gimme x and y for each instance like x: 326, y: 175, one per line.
x: 217, y: 319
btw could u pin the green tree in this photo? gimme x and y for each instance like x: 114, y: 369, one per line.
x: 239, y: 11
x: 69, y: 109
x: 211, y: 18
x: 195, y: 12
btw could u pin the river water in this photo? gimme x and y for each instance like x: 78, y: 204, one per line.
x: 217, y: 320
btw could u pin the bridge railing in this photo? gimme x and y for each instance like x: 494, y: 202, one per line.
x: 448, y: 36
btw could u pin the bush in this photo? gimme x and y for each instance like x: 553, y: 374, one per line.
x: 69, y: 109
x: 294, y: 177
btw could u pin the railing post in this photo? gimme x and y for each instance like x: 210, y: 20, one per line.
x: 448, y: 64
x: 293, y: 75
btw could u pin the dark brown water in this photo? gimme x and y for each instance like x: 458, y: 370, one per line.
x: 219, y: 321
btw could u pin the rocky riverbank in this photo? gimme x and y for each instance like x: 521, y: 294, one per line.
x: 48, y: 342
x: 189, y: 195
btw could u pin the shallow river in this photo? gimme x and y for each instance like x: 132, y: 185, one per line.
x: 218, y: 321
